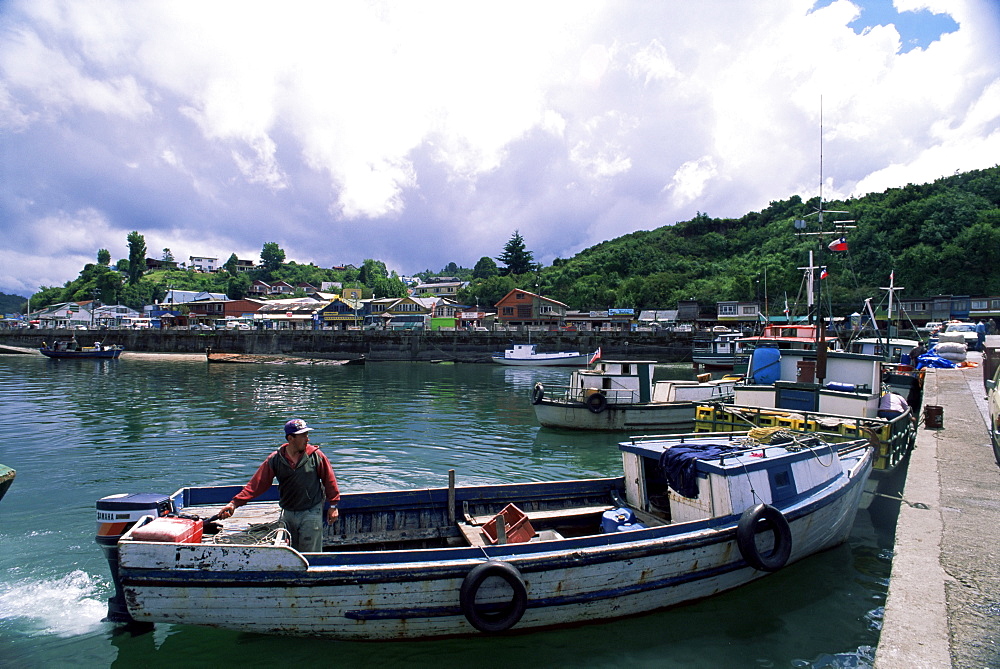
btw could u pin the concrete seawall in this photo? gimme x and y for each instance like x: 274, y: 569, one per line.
x: 943, y: 606
x: 378, y: 345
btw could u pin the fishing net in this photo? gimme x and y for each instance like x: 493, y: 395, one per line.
x: 262, y: 533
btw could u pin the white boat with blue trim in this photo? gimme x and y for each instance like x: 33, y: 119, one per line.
x: 693, y: 516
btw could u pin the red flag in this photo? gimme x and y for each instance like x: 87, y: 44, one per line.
x: 838, y: 245
x: 823, y: 274
x: 597, y: 354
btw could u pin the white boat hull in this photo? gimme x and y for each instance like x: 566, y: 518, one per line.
x: 541, y: 359
x: 577, y: 416
x: 409, y: 594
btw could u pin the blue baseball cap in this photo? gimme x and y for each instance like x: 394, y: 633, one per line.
x: 296, y: 426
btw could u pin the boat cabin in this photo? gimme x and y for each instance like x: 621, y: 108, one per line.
x: 702, y: 477
x: 631, y: 382
x: 845, y: 384
x: 891, y: 350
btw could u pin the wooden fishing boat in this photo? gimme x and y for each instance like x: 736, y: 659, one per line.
x: 693, y: 516
x: 621, y: 395
x: 214, y: 356
x: 526, y: 354
x: 717, y: 353
x: 833, y: 391
x: 67, y: 350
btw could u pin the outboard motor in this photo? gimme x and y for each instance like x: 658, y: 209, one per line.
x: 116, y: 514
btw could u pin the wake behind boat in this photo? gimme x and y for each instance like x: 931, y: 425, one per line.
x: 526, y: 354
x: 693, y: 516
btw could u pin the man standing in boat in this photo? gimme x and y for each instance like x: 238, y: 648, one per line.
x: 307, y: 481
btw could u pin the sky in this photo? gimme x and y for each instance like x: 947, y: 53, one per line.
x: 424, y: 133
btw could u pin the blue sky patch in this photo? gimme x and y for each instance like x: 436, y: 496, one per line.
x: 916, y: 29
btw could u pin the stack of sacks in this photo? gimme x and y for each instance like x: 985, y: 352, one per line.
x: 951, y: 350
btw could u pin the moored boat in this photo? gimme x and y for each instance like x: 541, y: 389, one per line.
x: 70, y: 349
x: 6, y: 478
x: 526, y: 354
x: 214, y: 356
x: 829, y: 391
x: 621, y: 395
x: 461, y: 560
x: 717, y: 353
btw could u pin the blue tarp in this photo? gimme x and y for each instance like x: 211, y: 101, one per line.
x: 932, y: 360
x: 678, y: 465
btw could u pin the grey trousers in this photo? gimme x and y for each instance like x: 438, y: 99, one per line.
x: 306, y: 528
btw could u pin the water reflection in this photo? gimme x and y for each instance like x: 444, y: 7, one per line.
x: 152, y: 426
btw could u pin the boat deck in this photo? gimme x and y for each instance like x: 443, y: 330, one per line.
x: 469, y: 527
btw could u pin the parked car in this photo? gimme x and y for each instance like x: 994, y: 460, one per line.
x: 993, y: 399
x: 933, y: 326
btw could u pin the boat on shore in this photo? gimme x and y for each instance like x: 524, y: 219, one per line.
x: 265, y: 359
x: 526, y: 354
x: 621, y: 395
x: 7, y: 475
x: 70, y: 349
x: 693, y: 516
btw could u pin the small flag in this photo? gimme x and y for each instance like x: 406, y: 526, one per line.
x: 838, y: 245
x: 597, y: 354
x: 823, y: 274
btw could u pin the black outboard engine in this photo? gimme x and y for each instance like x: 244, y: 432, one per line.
x: 116, y: 514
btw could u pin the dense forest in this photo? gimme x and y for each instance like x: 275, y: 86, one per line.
x: 938, y: 238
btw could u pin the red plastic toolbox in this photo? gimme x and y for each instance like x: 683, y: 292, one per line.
x: 519, y: 529
x: 172, y: 530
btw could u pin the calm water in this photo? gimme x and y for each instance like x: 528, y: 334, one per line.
x: 77, y: 430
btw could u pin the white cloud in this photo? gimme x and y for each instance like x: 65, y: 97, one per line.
x: 423, y: 133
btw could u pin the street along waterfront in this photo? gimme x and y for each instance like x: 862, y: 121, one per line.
x: 80, y: 430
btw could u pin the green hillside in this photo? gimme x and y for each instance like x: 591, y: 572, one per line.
x: 939, y: 238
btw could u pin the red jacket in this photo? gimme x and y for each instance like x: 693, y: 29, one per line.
x: 264, y: 477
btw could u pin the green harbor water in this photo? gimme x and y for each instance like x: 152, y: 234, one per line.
x: 78, y: 430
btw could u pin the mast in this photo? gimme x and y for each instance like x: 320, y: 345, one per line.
x: 892, y: 288
x: 839, y: 227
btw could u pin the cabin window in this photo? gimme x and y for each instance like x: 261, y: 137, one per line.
x: 782, y: 484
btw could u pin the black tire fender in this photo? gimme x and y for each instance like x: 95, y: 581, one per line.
x: 537, y: 393
x: 510, y: 613
x: 764, y: 517
x: 596, y: 402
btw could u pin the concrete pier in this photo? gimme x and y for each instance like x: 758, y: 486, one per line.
x: 943, y: 606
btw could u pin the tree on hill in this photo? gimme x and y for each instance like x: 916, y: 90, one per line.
x: 231, y: 264
x: 104, y: 257
x: 515, y: 257
x: 136, y: 257
x: 485, y: 268
x: 271, y: 256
